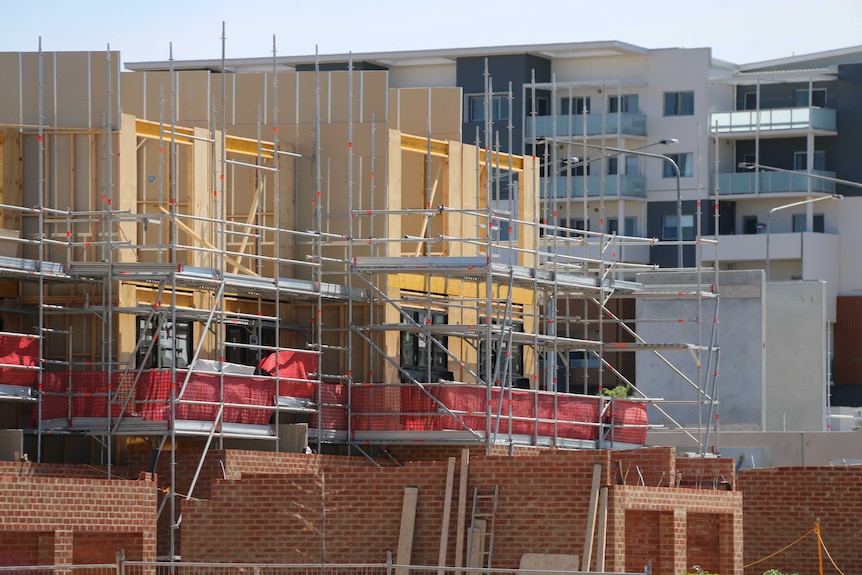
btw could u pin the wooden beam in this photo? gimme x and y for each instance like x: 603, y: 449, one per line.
x: 206, y: 244
x: 440, y: 148
x: 603, y: 529
x: 429, y: 202
x: 447, y: 511
x: 408, y: 523
x: 591, y: 517
x: 462, y: 510
x: 183, y: 135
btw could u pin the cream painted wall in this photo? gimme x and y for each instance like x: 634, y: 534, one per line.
x: 439, y: 76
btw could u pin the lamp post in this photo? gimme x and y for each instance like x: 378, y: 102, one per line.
x: 637, y: 152
x: 792, y: 205
x: 751, y: 166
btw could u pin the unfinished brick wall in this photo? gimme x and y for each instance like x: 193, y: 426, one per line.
x: 43, y: 518
x: 706, y: 473
x: 782, y: 504
x: 219, y: 464
x: 278, y: 518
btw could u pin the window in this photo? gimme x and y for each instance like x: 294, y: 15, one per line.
x: 160, y: 346
x: 499, y: 107
x: 543, y: 107
x: 669, y: 227
x: 631, y: 226
x: 627, y: 104
x: 516, y: 356
x: 799, y: 223
x: 577, y: 105
x: 612, y: 166
x: 818, y: 98
x: 679, y: 103
x: 632, y: 168
x: 750, y: 101
x: 417, y: 349
x: 247, y: 335
x: 567, y: 227
x: 749, y: 225
x: 800, y: 160
x: 683, y: 161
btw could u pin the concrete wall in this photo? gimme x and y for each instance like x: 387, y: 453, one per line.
x: 741, y: 334
x: 774, y: 449
x: 795, y: 349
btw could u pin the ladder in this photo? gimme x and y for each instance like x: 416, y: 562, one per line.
x: 480, y: 539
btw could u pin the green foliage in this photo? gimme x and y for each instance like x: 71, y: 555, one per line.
x: 776, y: 572
x: 620, y: 391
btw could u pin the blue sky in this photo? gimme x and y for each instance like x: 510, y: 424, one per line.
x: 737, y: 30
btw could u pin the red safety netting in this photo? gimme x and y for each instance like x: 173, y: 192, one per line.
x: 290, y: 364
x: 86, y: 390
x: 409, y: 408
x: 20, y: 350
x: 629, y: 420
x: 333, y: 410
x: 203, y: 394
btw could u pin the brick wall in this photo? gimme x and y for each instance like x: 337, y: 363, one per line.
x: 655, y: 464
x: 220, y: 464
x: 706, y: 473
x: 46, y: 515
x: 543, y: 508
x: 782, y: 504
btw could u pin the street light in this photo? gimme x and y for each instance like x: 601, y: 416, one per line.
x: 637, y: 152
x: 792, y: 205
x: 751, y: 166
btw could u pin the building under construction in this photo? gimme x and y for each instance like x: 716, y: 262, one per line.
x: 292, y: 260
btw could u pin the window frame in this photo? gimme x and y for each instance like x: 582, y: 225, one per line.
x: 566, y: 105
x: 417, y: 341
x: 819, y: 158
x: 622, y: 104
x: 683, y: 160
x: 155, y: 361
x: 496, y: 110
x: 677, y: 105
x: 815, y: 92
x: 668, y: 227
x: 516, y: 355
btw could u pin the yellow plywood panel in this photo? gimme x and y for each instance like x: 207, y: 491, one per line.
x: 73, y: 105
x: 10, y: 88
x: 409, y: 108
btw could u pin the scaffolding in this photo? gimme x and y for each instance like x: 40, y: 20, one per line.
x: 188, y: 278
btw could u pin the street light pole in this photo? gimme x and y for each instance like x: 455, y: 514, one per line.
x: 751, y: 166
x: 669, y: 160
x: 792, y: 205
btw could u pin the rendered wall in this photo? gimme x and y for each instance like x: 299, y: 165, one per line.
x: 741, y: 336
x: 795, y: 347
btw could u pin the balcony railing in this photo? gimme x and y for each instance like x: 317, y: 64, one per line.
x: 772, y: 120
x: 616, y: 185
x: 745, y: 183
x: 622, y: 123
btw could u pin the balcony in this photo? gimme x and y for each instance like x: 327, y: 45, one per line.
x: 778, y: 122
x: 746, y: 183
x: 615, y: 186
x: 622, y: 123
x: 809, y: 247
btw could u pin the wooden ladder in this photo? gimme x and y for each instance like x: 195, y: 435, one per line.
x: 480, y: 539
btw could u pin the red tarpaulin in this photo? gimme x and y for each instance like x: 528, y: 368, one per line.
x: 20, y: 350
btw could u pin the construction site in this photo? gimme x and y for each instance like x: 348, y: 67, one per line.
x: 264, y: 317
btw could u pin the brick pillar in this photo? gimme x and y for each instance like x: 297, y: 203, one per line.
x: 58, y: 548
x: 615, y: 543
x: 730, y: 543
x: 672, y: 557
